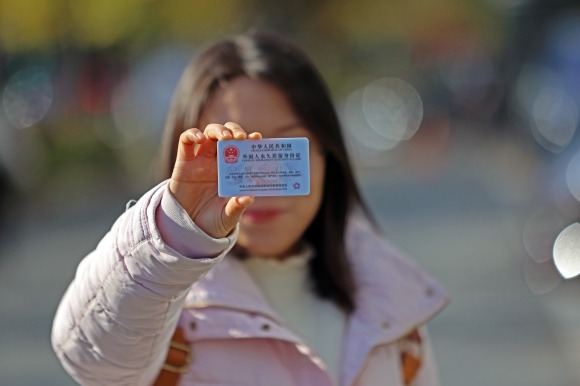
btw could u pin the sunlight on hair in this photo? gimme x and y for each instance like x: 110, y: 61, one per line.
x: 27, y: 97
x: 252, y: 57
x: 392, y: 108
x: 567, y: 251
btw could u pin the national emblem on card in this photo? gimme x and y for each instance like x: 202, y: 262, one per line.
x: 231, y: 154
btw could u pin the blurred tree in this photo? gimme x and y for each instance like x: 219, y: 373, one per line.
x: 30, y: 24
x: 196, y: 21
x: 91, y: 48
x: 102, y: 23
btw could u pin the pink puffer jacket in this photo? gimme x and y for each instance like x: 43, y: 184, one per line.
x: 117, y: 316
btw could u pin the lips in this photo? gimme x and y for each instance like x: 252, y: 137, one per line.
x: 262, y: 215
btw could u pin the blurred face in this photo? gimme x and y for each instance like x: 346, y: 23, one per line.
x: 272, y: 226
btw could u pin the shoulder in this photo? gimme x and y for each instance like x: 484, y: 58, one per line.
x: 388, y: 282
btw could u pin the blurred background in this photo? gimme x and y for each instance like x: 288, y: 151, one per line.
x: 466, y: 115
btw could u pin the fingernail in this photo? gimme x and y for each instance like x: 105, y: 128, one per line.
x: 199, y: 135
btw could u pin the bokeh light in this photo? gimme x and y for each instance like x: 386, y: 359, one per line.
x: 541, y: 278
x: 392, y: 108
x: 539, y: 233
x: 382, y: 114
x: 554, y: 118
x: 357, y: 125
x: 27, y: 96
x: 573, y: 176
x: 567, y: 251
x: 542, y: 99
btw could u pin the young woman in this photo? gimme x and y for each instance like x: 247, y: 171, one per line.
x: 260, y: 291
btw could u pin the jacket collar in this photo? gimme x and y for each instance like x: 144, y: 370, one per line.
x: 394, y: 296
x: 228, y: 285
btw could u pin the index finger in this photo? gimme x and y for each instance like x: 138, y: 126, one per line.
x: 237, y: 131
x: 218, y: 132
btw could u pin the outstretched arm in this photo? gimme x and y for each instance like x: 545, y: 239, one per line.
x: 115, y: 321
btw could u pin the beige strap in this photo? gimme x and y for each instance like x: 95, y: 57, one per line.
x: 411, y: 357
x: 177, y: 361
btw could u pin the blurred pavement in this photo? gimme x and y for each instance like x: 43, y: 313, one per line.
x: 495, y: 331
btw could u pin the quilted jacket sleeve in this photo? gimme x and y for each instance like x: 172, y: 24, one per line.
x: 116, y: 318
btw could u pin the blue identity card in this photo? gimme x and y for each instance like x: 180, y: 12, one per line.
x: 263, y: 167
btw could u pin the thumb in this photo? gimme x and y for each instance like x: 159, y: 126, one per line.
x: 234, y: 210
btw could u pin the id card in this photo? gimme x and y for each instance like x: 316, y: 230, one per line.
x: 263, y: 167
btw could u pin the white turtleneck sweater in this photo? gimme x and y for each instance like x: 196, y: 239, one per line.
x: 287, y: 287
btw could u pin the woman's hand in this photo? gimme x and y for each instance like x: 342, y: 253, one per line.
x: 194, y: 179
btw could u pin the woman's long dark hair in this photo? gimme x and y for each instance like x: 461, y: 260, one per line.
x: 266, y: 57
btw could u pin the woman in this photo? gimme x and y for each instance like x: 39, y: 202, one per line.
x: 263, y: 291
